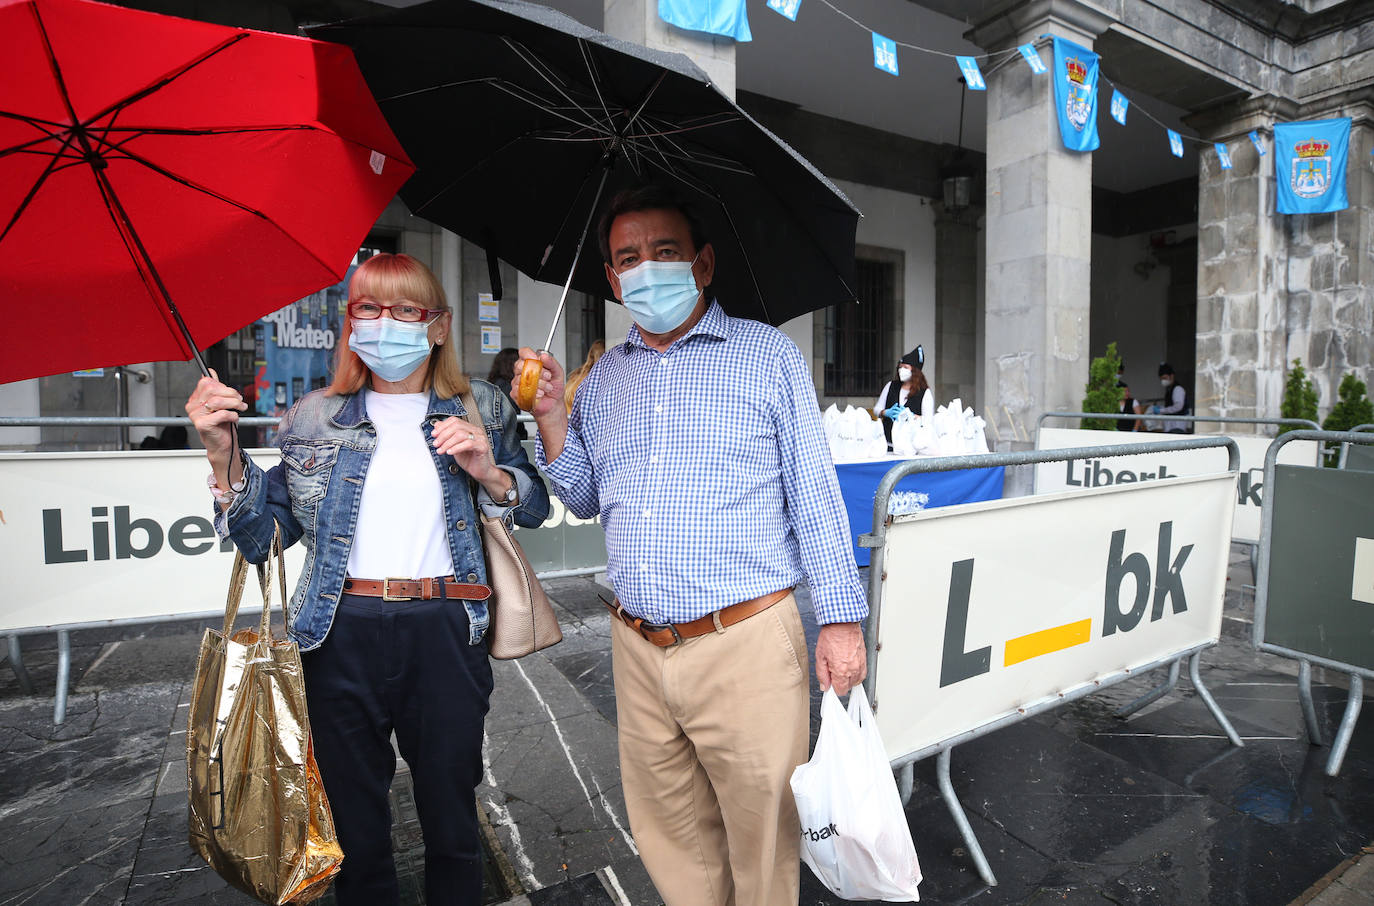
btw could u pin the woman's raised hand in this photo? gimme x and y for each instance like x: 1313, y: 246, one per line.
x: 214, y: 410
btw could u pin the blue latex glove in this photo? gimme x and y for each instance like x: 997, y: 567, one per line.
x: 893, y: 411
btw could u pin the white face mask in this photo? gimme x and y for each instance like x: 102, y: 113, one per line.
x: 904, y: 373
x: 1164, y: 382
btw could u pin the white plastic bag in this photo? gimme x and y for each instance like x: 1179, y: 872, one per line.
x: 854, y: 831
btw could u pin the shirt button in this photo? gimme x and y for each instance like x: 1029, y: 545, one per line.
x: 472, y: 577
x: 646, y: 514
x: 644, y: 567
x: 658, y: 407
x: 460, y: 524
x: 653, y: 458
x: 453, y: 468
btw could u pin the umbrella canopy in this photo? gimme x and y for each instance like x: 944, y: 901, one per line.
x: 163, y: 179
x: 511, y: 111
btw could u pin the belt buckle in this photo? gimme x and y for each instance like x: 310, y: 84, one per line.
x: 386, y: 589
x: 659, y: 627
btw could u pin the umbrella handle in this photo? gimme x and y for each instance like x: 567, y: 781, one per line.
x: 577, y: 255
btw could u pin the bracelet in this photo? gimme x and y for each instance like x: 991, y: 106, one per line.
x: 222, y: 497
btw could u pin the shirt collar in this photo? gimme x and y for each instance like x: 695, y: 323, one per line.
x: 714, y: 324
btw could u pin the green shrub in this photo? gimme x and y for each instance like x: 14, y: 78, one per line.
x: 1353, y: 408
x: 1102, y: 394
x: 1299, y: 397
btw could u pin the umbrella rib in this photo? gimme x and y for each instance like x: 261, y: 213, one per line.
x: 33, y: 191
x: 541, y: 71
x: 429, y: 88
x: 464, y: 175
x: 169, y: 77
x: 544, y: 107
x: 705, y: 159
x: 595, y: 78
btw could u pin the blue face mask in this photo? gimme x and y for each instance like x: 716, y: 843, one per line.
x: 660, y: 294
x: 392, y: 349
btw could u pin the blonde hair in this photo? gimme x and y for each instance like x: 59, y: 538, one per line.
x: 579, y: 374
x: 385, y: 277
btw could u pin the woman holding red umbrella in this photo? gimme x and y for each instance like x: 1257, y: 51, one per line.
x: 377, y: 479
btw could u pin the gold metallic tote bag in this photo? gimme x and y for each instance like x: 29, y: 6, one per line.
x: 258, y: 812
x: 522, y: 619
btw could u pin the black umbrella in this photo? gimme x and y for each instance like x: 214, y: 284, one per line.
x: 520, y: 119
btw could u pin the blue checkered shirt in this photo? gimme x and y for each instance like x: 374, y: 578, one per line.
x: 710, y: 472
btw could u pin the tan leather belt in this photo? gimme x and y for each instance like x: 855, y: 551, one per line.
x: 665, y: 635
x: 412, y: 589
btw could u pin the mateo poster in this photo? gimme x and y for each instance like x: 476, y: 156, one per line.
x: 1075, y: 95
x: 1309, y: 166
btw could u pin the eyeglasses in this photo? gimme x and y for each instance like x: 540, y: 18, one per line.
x: 368, y: 310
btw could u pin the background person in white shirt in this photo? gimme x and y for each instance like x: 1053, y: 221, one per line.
x: 906, y: 390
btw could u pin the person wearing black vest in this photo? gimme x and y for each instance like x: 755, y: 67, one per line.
x: 906, y: 390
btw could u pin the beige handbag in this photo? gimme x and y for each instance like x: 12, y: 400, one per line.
x: 522, y: 619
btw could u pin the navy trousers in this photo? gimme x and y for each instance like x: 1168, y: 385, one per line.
x: 404, y: 667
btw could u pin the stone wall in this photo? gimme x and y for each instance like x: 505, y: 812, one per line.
x: 1275, y: 287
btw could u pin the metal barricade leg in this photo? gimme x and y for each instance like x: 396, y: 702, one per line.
x: 956, y: 811
x: 1154, y: 694
x: 64, y: 672
x: 1193, y: 663
x: 1309, y: 710
x: 906, y: 781
x: 1347, y: 728
x: 21, y: 673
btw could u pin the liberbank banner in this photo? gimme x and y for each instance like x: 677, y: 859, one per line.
x: 993, y: 607
x: 1126, y: 470
x: 87, y: 538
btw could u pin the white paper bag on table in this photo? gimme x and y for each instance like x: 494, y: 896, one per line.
x: 854, y: 831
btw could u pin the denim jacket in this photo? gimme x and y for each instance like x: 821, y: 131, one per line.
x: 314, y: 492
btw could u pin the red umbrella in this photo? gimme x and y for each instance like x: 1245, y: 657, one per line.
x: 163, y: 179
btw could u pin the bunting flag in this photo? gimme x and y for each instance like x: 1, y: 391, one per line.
x: 1255, y: 140
x: 973, y: 78
x: 1033, y: 60
x: 1119, y: 106
x: 884, y: 54
x: 1175, y: 143
x: 1309, y: 165
x: 786, y: 8
x: 727, y: 18
x: 1223, y: 155
x: 1075, y: 95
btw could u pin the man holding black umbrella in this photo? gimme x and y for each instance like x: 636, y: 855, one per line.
x: 698, y: 442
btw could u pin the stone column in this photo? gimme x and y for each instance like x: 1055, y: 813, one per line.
x: 638, y: 21
x: 1276, y: 287
x: 1039, y: 228
x: 957, y: 313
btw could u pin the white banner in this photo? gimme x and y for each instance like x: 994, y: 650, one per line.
x: 92, y: 537
x: 991, y: 607
x: 1115, y: 470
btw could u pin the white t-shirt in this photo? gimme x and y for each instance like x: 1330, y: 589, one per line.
x: 401, y: 531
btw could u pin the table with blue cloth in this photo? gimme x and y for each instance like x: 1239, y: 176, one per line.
x: 859, y: 483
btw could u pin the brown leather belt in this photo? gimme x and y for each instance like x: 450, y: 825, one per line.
x: 413, y: 589
x: 665, y: 635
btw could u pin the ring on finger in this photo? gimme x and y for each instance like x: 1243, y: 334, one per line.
x: 206, y: 404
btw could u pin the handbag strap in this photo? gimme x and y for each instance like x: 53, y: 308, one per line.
x: 475, y: 419
x: 238, y: 578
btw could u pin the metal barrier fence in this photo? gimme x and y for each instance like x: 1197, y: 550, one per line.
x: 1325, y: 580
x: 1365, y: 462
x: 565, y: 547
x: 877, y: 540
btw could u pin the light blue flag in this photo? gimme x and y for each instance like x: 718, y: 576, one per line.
x: 1255, y: 140
x: 1175, y: 143
x: 1033, y: 60
x: 1309, y: 165
x: 972, y: 77
x: 884, y: 53
x: 727, y: 18
x: 1223, y: 155
x: 1075, y: 95
x: 787, y: 8
x: 1119, y: 106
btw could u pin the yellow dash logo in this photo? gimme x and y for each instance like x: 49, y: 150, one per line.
x: 1046, y: 641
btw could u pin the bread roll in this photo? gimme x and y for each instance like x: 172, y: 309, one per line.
x: 527, y: 383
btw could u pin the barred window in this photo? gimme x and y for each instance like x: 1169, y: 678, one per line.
x: 860, y: 341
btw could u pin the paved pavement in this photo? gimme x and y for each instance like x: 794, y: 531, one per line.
x: 1073, y: 807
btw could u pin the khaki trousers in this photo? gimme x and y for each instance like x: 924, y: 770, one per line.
x: 710, y: 730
